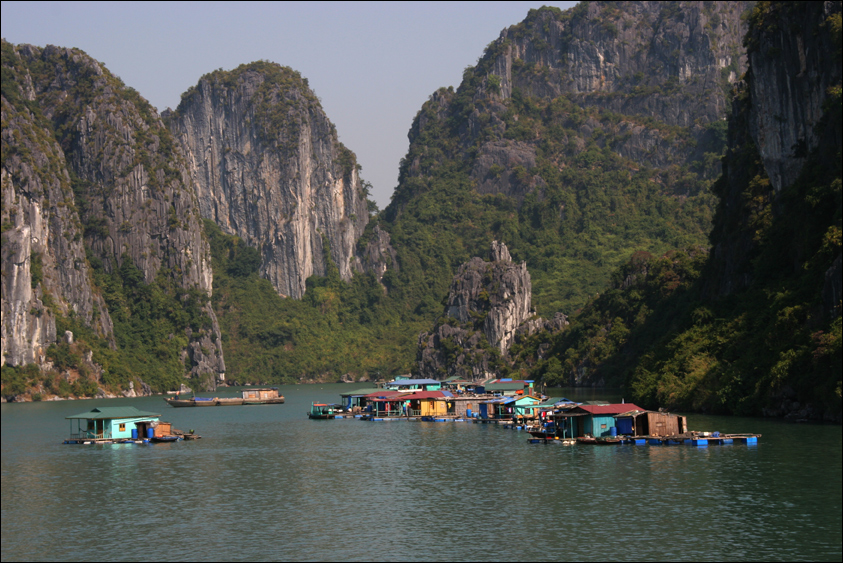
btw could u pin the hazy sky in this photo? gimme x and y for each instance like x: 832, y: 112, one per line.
x: 373, y: 65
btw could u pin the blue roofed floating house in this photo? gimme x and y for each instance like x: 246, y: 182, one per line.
x: 115, y: 424
x: 414, y: 385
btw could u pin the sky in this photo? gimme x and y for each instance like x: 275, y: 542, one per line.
x: 372, y: 64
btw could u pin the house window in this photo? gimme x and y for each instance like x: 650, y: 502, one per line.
x: 123, y: 427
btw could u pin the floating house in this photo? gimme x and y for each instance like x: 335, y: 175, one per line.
x: 458, y: 385
x: 115, y: 423
x: 414, y: 385
x: 541, y: 409
x: 429, y: 403
x: 505, y: 408
x: 356, y: 400
x: 382, y: 408
x: 650, y: 423
x: 466, y: 406
x: 592, y: 420
x: 509, y: 387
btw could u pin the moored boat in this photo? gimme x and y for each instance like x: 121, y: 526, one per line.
x: 262, y: 396
x: 324, y: 411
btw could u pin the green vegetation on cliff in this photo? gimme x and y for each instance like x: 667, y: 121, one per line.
x: 754, y: 327
x: 337, y: 328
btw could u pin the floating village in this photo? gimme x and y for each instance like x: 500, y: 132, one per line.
x: 513, y: 404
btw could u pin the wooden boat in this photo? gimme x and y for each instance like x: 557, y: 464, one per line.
x: 262, y: 396
x: 603, y: 441
x: 167, y: 438
x: 324, y: 411
x: 204, y: 402
x: 180, y: 402
x: 229, y: 401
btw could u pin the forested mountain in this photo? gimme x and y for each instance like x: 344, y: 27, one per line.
x: 588, y: 142
x: 101, y: 236
x: 578, y: 138
x: 754, y: 327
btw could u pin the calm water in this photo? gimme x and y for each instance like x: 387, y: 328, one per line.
x: 266, y: 483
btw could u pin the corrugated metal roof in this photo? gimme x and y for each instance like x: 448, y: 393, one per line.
x: 612, y: 409
x: 403, y: 382
x: 508, y: 386
x: 359, y: 392
x: 113, y: 412
x: 500, y: 401
x: 384, y: 393
x: 630, y: 413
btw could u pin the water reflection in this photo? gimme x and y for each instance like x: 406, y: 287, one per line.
x: 266, y: 483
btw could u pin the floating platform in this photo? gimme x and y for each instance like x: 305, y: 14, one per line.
x: 713, y: 439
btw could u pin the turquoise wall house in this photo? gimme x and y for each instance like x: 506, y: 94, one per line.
x: 103, y: 423
x: 595, y: 420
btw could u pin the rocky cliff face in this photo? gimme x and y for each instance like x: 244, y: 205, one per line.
x: 777, y: 121
x: 268, y: 167
x: 488, y: 306
x: 791, y: 73
x: 647, y: 58
x: 88, y: 161
x: 645, y: 65
x: 44, y: 268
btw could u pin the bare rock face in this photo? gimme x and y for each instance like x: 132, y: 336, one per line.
x: 790, y: 79
x: 268, y: 167
x: 377, y: 256
x: 44, y: 269
x: 650, y: 64
x: 646, y: 58
x: 488, y: 304
x: 776, y: 121
x: 97, y: 165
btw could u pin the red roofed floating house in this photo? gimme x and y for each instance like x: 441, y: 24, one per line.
x: 618, y: 419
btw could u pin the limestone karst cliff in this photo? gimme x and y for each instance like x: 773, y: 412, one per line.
x: 268, y: 167
x: 44, y: 269
x: 672, y: 62
x: 579, y: 137
x: 754, y: 326
x: 488, y: 305
x: 91, y: 177
x: 780, y: 116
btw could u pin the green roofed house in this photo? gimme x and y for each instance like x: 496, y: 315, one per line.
x: 109, y: 424
x: 510, y: 387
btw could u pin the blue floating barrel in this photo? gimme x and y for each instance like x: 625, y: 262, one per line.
x: 613, y: 431
x: 468, y: 413
x: 150, y: 432
x: 134, y: 433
